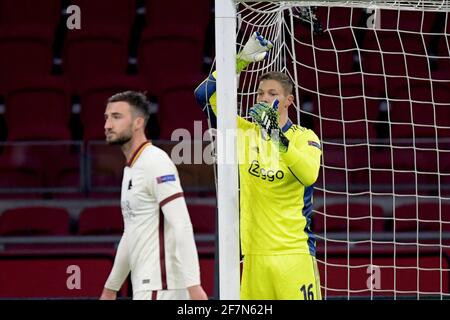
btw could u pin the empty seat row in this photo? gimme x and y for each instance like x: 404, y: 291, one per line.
x: 25, y: 101
x: 104, y: 12
x: 100, y: 220
x: 352, y: 217
x: 162, y: 54
x: 359, y: 217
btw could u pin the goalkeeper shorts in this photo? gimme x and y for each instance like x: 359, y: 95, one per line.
x: 280, y: 277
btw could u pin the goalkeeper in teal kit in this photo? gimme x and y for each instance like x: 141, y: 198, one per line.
x: 278, y: 164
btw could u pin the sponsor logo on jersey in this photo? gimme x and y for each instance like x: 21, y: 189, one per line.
x: 166, y: 178
x: 130, y: 185
x: 269, y: 175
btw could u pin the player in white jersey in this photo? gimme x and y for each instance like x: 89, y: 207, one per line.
x: 157, y: 245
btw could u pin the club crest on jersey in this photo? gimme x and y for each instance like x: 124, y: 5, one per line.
x: 166, y: 178
x: 314, y: 144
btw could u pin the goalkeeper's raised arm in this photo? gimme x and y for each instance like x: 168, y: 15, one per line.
x: 256, y: 49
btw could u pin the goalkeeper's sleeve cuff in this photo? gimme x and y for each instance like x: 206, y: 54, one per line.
x: 241, y: 65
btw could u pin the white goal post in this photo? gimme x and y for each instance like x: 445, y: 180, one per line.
x: 382, y: 80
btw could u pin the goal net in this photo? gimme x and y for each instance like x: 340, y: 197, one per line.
x: 372, y: 79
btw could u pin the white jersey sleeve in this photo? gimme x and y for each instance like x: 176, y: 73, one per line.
x: 121, y: 267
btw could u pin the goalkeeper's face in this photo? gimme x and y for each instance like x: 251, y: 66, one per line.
x: 269, y: 90
x: 119, y: 123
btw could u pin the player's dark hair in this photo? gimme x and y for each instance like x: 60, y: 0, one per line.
x: 280, y: 77
x: 137, y: 100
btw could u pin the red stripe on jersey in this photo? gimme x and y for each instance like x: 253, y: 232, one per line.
x: 154, y: 295
x: 172, y: 197
x: 162, y: 252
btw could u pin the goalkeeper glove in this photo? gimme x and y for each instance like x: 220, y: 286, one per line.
x: 267, y: 117
x: 256, y: 49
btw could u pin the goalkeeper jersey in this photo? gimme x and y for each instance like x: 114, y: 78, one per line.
x: 276, y: 190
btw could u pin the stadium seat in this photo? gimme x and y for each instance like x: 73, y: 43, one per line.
x: 393, y: 169
x: 203, y: 218
x: 383, y: 53
x: 352, y: 217
x: 171, y: 13
x: 95, y: 53
x: 418, y: 115
x: 424, y: 215
x: 331, y: 51
x: 106, y: 165
x: 20, y: 171
x: 407, y: 20
x: 34, y: 221
x: 93, y: 101
x: 338, y: 17
x: 30, y: 13
x: 24, y: 52
x: 348, y: 112
x: 178, y: 109
x: 52, y: 275
x: 25, y: 104
x: 106, y: 13
x: 100, y: 220
x: 67, y: 172
x: 169, y: 53
x: 347, y: 274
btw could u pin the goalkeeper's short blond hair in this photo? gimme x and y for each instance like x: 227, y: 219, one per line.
x: 280, y: 77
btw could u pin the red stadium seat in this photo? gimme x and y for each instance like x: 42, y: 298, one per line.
x: 96, y: 52
x: 418, y: 115
x: 24, y: 52
x: 25, y: 102
x: 93, y: 101
x: 30, y: 13
x: 106, y: 13
x: 347, y: 110
x: 407, y: 20
x: 100, y: 220
x: 395, y: 170
x: 66, y: 173
x: 347, y: 275
x: 330, y: 52
x: 394, y: 55
x: 173, y: 13
x: 106, y: 165
x: 178, y: 109
x: 54, y: 275
x: 34, y: 221
x: 159, y: 54
x: 354, y: 217
x: 425, y: 216
x: 203, y: 218
x: 338, y: 17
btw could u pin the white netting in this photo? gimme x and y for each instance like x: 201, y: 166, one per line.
x: 375, y: 87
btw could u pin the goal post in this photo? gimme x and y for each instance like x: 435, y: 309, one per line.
x: 227, y: 171
x: 371, y: 79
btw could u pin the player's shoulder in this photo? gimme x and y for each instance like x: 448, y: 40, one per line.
x: 155, y: 154
x: 154, y: 158
x: 298, y: 131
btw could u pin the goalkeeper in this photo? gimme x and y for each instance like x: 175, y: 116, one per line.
x: 276, y: 191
